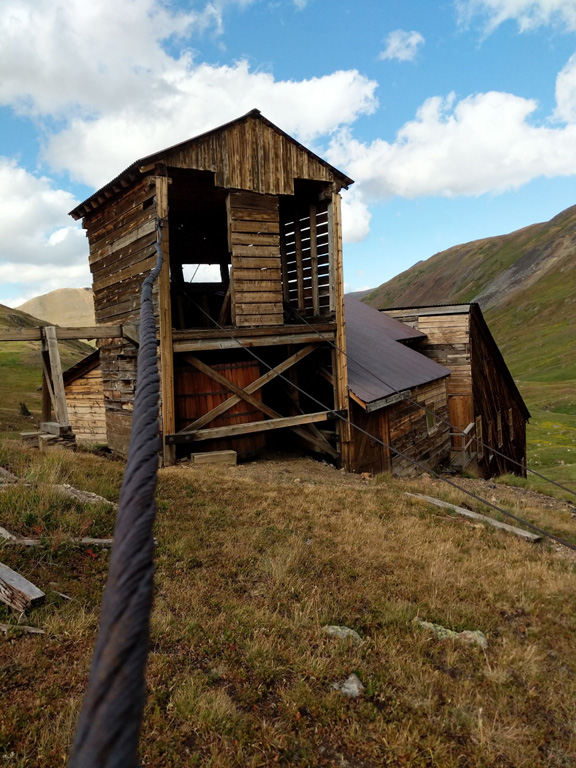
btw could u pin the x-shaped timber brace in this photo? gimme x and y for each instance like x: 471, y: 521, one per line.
x: 302, y: 425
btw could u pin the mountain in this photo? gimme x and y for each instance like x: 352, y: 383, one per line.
x: 525, y: 283
x: 65, y: 306
x: 20, y: 364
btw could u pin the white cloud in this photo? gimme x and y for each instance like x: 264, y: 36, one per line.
x: 355, y: 216
x: 39, y: 250
x: 483, y: 143
x: 200, y: 98
x: 402, y: 45
x: 529, y: 14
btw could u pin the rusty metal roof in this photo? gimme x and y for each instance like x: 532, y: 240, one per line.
x: 379, y: 365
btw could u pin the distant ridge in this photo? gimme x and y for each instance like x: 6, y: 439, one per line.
x: 64, y: 306
x: 526, y: 284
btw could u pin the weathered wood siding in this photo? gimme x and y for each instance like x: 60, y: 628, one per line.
x: 503, y: 422
x: 122, y: 237
x: 250, y: 155
x: 256, y: 265
x: 85, y: 400
x: 410, y: 433
x: 366, y: 453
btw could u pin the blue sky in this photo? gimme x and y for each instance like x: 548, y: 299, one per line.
x: 456, y: 119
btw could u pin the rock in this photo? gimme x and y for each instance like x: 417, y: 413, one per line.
x: 471, y: 637
x: 351, y: 687
x: 342, y: 632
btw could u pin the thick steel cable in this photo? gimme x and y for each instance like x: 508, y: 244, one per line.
x: 108, y: 727
x: 457, y: 432
x: 381, y: 442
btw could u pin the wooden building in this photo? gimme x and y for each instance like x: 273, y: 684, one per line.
x: 262, y: 212
x: 397, y: 395
x: 483, y: 399
x: 85, y: 399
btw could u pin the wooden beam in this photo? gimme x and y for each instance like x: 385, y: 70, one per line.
x: 256, y: 426
x: 57, y: 380
x: 64, y: 333
x: 250, y: 389
x: 165, y: 313
x: 248, y: 341
x: 533, y: 537
x: 327, y: 327
x: 299, y: 266
x: 47, y: 392
x: 314, y: 262
x: 17, y: 592
x: 339, y: 364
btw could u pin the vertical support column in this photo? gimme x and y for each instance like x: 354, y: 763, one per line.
x: 57, y: 379
x: 339, y: 363
x: 165, y: 321
x: 314, y: 261
x: 47, y: 392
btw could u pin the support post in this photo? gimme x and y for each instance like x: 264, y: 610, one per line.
x: 339, y: 367
x: 165, y: 321
x: 57, y: 379
x: 46, y: 384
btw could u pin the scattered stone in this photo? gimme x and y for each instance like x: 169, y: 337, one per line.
x: 351, y: 687
x: 342, y: 632
x: 469, y: 636
x: 7, y: 477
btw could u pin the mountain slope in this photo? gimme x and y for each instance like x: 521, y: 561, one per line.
x: 65, y: 306
x: 526, y: 284
x: 20, y: 365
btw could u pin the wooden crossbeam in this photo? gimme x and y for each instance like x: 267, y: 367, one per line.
x: 65, y: 333
x: 254, y: 402
x: 250, y: 389
x: 256, y: 426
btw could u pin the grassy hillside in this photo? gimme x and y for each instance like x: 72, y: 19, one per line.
x: 20, y: 365
x: 251, y: 563
x: 526, y: 285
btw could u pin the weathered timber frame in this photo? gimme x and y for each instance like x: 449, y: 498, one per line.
x: 259, y: 215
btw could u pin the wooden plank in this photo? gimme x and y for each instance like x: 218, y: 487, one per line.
x: 532, y: 537
x: 57, y: 379
x: 17, y: 592
x: 299, y: 273
x: 255, y: 239
x: 248, y: 284
x: 257, y: 250
x: 243, y: 201
x: 256, y: 426
x: 272, y: 340
x: 251, y: 388
x: 314, y: 261
x: 256, y: 262
x: 259, y: 276
x: 265, y: 308
x: 258, y: 227
x: 246, y: 321
x: 165, y: 331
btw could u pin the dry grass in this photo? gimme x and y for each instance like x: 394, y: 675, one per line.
x: 251, y: 563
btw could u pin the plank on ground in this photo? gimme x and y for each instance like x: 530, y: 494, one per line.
x: 17, y: 592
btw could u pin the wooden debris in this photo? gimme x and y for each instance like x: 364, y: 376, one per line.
x: 214, y: 457
x: 53, y: 428
x: 22, y: 541
x: 7, y: 477
x: 21, y: 628
x: 86, y: 497
x: 17, y: 592
x: 533, y: 537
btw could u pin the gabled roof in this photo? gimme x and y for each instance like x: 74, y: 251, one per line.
x: 146, y: 164
x: 379, y: 365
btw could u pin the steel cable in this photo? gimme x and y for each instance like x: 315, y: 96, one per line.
x: 108, y: 727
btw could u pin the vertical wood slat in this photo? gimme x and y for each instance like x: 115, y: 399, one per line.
x: 165, y: 320
x: 331, y: 255
x: 299, y: 266
x: 57, y: 378
x: 47, y: 393
x: 314, y: 261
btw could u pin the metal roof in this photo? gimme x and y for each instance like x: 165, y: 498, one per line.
x: 379, y: 365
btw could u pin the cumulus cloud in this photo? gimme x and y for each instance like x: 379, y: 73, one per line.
x: 402, y: 45
x: 355, y: 216
x: 528, y: 14
x: 201, y: 98
x: 483, y: 143
x: 39, y: 248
